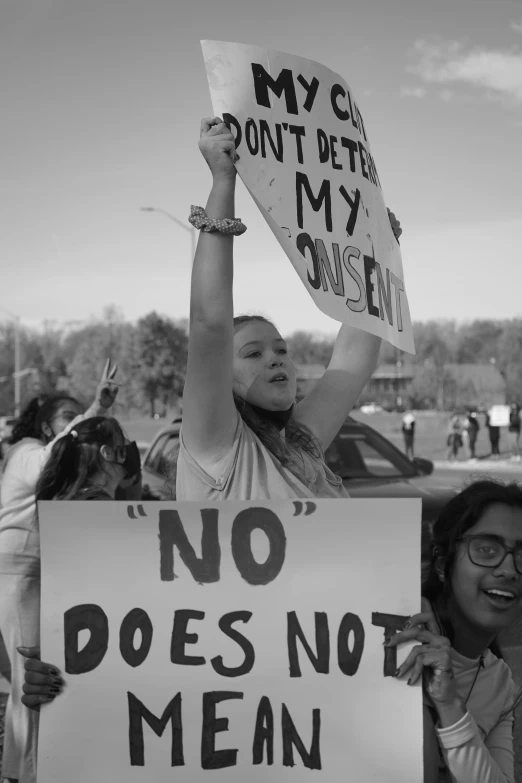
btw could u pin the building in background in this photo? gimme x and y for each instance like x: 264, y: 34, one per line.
x: 390, y: 385
x: 424, y: 386
x: 307, y: 377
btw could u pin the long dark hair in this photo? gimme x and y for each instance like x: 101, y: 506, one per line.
x: 37, y: 412
x: 297, y: 436
x: 459, y: 515
x: 75, y: 458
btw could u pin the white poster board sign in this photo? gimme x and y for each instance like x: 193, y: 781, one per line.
x: 305, y: 157
x: 499, y: 415
x: 229, y: 641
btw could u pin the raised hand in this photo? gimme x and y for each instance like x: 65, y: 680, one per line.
x: 42, y: 681
x: 217, y: 146
x: 107, y: 387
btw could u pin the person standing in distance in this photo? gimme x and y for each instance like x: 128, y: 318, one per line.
x: 473, y: 430
x: 514, y: 431
x: 408, y: 431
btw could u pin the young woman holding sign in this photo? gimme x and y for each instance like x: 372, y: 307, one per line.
x: 41, y: 425
x: 243, y: 436
x: 472, y: 591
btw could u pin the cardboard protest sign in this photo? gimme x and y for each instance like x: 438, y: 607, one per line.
x: 499, y: 415
x: 229, y: 641
x: 305, y: 157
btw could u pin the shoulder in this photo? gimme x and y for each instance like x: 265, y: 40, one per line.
x: 192, y: 473
x: 24, y: 448
x: 499, y: 672
x: 25, y: 445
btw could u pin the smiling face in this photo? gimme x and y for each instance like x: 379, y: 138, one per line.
x: 264, y: 374
x: 472, y: 600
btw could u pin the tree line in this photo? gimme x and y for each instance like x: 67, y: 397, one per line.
x: 152, y: 356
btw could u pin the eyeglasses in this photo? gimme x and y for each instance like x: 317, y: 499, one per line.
x: 490, y: 552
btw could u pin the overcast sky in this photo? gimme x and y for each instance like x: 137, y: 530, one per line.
x: 101, y: 103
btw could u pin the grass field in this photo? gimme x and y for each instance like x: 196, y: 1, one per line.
x: 431, y: 430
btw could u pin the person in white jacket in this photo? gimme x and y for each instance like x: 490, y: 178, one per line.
x: 472, y: 590
x: 42, y: 423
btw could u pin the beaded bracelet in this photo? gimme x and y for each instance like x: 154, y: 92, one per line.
x: 200, y: 220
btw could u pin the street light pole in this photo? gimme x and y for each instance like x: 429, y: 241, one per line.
x: 178, y: 222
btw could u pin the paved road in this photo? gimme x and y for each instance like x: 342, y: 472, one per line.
x: 504, y: 470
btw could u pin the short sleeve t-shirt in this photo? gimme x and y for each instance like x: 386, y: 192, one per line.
x: 250, y: 472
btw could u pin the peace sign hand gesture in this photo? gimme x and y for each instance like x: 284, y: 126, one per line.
x: 107, y: 387
x: 430, y: 660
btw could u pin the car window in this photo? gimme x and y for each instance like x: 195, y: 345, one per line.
x: 352, y: 456
x: 154, y: 455
x: 167, y: 461
x: 376, y: 463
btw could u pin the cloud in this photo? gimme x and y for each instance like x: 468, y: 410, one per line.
x: 500, y: 72
x: 413, y: 92
x: 516, y: 26
x: 446, y: 95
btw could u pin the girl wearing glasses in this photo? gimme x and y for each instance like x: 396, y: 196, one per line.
x: 472, y: 590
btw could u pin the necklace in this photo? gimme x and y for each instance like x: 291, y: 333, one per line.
x: 480, y: 663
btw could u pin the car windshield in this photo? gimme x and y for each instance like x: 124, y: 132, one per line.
x: 161, y: 457
x: 357, y: 454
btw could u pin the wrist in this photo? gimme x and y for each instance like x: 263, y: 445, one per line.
x: 450, y: 712
x: 97, y: 409
x: 224, y: 180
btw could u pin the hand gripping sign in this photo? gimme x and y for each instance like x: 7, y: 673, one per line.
x: 305, y: 158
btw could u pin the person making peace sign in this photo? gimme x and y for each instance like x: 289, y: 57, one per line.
x: 42, y: 424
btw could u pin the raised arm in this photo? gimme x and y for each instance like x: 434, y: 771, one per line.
x: 209, y: 414
x: 353, y: 361
x: 33, y: 457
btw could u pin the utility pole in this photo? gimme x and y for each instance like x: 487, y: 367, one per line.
x: 17, y: 395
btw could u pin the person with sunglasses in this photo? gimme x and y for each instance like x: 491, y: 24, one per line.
x: 472, y: 590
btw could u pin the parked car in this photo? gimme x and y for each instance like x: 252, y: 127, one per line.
x: 371, y: 407
x: 370, y: 466
x: 143, y: 447
x: 6, y: 427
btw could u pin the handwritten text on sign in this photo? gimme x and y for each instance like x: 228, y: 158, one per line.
x: 305, y: 157
x: 231, y: 638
